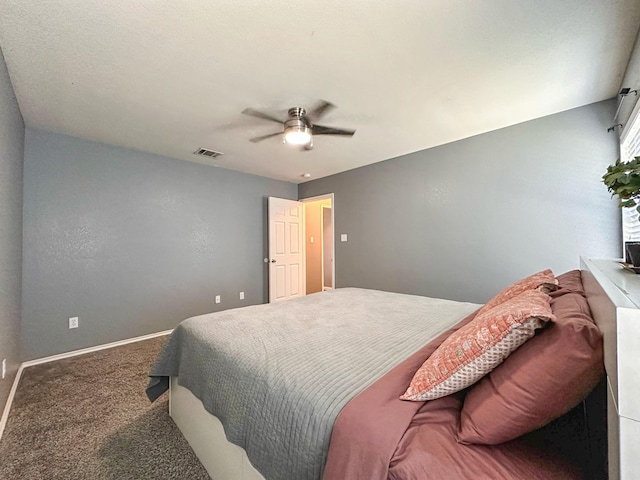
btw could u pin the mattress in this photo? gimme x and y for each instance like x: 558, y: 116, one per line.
x: 278, y: 375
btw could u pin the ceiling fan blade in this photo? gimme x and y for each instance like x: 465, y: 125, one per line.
x: 322, y: 130
x: 321, y: 109
x: 264, y: 137
x: 264, y: 116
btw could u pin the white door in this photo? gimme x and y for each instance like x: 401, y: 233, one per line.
x: 286, y: 249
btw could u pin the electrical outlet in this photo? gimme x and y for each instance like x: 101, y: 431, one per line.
x: 73, y: 322
x: 241, y: 295
x: 4, y: 368
x: 217, y: 298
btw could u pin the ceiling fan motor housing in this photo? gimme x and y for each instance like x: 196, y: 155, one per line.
x: 296, y: 118
x: 297, y: 112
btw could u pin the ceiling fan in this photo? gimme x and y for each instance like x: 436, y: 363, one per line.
x: 300, y: 127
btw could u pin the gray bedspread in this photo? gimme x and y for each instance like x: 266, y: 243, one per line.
x: 277, y: 375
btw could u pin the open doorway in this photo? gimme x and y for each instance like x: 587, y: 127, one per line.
x: 327, y: 247
x: 319, y: 243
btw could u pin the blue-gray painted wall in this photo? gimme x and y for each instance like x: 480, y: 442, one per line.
x: 462, y: 220
x: 133, y: 243
x: 11, y: 160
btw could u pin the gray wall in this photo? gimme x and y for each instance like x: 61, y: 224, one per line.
x: 462, y: 220
x: 11, y: 155
x: 133, y: 243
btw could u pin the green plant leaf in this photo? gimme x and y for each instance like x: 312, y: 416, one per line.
x: 616, y: 176
x: 623, y: 179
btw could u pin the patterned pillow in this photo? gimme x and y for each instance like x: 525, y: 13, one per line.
x: 480, y: 346
x: 544, y: 280
x: 542, y: 380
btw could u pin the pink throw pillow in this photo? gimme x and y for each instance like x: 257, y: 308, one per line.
x: 544, y: 280
x: 544, y: 379
x: 568, y: 282
x: 478, y: 347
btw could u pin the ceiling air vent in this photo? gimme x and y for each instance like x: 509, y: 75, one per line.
x: 205, y: 152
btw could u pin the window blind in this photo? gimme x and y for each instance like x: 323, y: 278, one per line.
x: 629, y: 149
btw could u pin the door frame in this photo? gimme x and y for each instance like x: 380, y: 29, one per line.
x: 333, y: 227
x: 333, y: 247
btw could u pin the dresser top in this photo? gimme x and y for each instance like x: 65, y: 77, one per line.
x: 626, y: 282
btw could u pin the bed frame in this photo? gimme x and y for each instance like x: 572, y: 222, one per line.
x: 222, y: 459
x: 611, y: 293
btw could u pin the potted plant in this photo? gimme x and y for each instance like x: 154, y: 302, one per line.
x: 623, y: 179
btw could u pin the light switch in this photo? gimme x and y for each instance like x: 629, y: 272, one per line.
x: 311, y: 239
x: 343, y: 237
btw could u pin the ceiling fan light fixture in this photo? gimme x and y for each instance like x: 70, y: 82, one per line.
x: 297, y: 135
x: 299, y: 128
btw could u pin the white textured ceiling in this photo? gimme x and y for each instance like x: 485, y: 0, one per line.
x: 170, y: 76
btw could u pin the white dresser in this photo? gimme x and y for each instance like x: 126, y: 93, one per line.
x: 614, y: 299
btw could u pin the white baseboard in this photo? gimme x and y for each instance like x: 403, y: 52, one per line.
x: 97, y: 348
x: 60, y: 356
x: 7, y: 406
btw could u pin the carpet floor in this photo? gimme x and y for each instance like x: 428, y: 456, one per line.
x: 88, y: 417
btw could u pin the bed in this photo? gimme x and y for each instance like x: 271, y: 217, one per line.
x: 309, y: 389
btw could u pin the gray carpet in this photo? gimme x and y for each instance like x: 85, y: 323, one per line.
x: 87, y: 417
